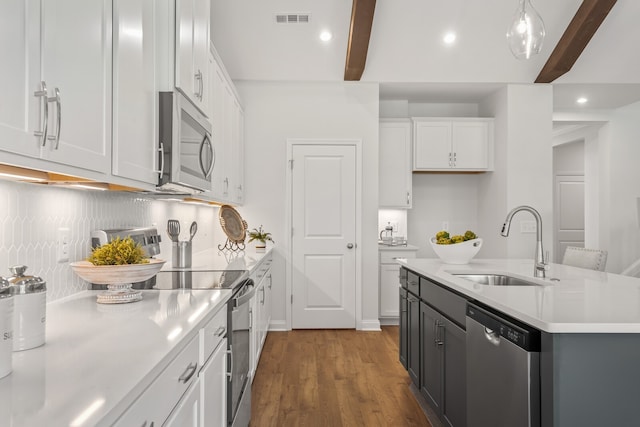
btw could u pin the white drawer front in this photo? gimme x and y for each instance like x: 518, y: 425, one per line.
x: 389, y: 257
x: 212, y: 334
x: 157, y: 401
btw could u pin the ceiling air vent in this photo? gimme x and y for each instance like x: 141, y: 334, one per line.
x: 292, y: 18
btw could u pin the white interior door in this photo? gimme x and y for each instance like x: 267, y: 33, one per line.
x: 569, y: 213
x: 323, y: 247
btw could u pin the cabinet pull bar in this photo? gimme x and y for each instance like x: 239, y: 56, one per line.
x: 201, y: 85
x: 408, y: 198
x: 230, y: 364
x: 220, y: 331
x: 56, y: 99
x: 188, y: 373
x: 160, y: 171
x: 42, y: 93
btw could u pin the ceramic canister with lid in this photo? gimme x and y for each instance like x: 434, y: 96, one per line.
x: 6, y: 327
x: 29, y: 309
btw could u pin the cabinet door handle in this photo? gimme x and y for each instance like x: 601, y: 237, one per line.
x: 408, y: 198
x: 220, y: 331
x: 188, y: 373
x: 198, y: 78
x: 230, y: 364
x: 42, y: 93
x: 439, y: 327
x: 160, y: 171
x: 57, y: 100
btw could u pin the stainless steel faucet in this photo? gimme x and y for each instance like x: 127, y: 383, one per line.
x: 540, y: 266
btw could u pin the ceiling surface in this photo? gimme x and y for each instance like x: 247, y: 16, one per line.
x: 408, y: 57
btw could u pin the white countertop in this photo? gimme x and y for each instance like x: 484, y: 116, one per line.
x: 382, y: 247
x: 101, y: 356
x: 582, y: 301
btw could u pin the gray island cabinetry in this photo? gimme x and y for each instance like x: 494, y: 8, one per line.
x: 432, y: 325
x: 589, y: 325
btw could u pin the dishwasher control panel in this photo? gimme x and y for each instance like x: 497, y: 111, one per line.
x: 497, y: 323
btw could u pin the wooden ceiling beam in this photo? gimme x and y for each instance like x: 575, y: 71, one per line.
x: 581, y: 29
x: 359, y: 35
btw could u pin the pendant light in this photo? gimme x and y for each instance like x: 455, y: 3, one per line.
x: 526, y: 32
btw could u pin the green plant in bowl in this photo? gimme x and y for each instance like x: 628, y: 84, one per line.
x: 118, y: 252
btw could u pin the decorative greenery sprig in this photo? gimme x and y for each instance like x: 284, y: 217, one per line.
x: 118, y: 252
x: 260, y: 235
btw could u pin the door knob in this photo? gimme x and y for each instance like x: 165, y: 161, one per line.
x: 349, y: 245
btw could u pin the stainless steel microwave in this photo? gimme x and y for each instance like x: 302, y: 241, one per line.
x: 187, y: 153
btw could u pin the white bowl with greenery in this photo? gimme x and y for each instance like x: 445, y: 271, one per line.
x: 457, y: 253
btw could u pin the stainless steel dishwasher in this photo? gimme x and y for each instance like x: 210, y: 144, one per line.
x: 503, y: 371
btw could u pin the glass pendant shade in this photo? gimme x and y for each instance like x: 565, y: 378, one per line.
x: 526, y: 32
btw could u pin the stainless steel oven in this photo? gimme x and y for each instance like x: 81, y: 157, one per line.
x: 187, y: 152
x: 239, y: 387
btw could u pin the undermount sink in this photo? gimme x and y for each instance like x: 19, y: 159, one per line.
x: 496, y: 280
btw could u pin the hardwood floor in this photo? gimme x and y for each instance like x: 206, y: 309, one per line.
x: 333, y: 378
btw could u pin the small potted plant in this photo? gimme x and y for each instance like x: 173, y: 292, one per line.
x: 260, y: 237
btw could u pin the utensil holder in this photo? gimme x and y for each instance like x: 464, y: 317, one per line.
x: 181, y: 254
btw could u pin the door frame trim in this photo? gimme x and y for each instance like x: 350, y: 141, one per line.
x: 291, y: 142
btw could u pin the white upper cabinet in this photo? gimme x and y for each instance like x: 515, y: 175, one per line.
x: 445, y: 144
x: 220, y: 137
x: 394, y: 169
x: 135, y: 95
x: 63, y: 46
x: 192, y: 51
x: 228, y: 137
x: 20, y: 46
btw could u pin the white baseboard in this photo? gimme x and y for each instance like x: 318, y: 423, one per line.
x: 278, y: 325
x: 369, y: 325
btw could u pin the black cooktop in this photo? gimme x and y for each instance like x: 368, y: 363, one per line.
x: 187, y: 279
x: 201, y: 279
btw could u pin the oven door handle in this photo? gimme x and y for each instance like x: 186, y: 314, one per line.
x: 244, y: 298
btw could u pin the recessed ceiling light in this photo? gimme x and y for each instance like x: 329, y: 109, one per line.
x: 582, y: 100
x: 325, y: 36
x: 449, y: 38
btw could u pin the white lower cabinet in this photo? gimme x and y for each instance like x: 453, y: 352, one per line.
x: 187, y: 412
x: 213, y: 388
x: 260, y: 312
x: 389, y: 309
x: 192, y: 390
x: 163, y: 395
x: 213, y: 376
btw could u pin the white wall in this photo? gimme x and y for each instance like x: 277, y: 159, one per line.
x: 275, y: 112
x: 492, y: 186
x: 438, y: 198
x: 523, y: 168
x: 623, y: 187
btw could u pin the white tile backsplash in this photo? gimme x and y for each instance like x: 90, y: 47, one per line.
x: 31, y: 214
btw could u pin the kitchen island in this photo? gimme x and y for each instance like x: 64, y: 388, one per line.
x: 589, y: 325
